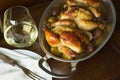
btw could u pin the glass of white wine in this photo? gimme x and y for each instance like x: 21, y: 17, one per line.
x: 19, y: 28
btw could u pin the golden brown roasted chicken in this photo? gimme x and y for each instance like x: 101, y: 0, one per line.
x: 68, y: 40
x: 52, y: 38
x: 71, y: 32
x: 82, y: 17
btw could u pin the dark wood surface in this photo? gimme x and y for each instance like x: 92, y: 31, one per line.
x: 105, y: 65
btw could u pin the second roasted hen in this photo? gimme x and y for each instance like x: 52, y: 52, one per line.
x: 82, y: 17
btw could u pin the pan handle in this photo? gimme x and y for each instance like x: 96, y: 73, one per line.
x: 73, y: 65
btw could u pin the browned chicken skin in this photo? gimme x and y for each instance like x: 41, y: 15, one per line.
x: 68, y: 43
x: 52, y: 38
x: 91, y: 7
x: 71, y: 2
x: 67, y: 51
x: 88, y: 25
x: 79, y: 13
x: 96, y: 12
x: 71, y: 40
x: 93, y: 3
x: 83, y: 37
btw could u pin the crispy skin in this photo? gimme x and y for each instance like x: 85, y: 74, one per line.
x: 76, y: 14
x: 67, y: 51
x: 87, y: 24
x: 82, y: 13
x: 71, y: 2
x: 93, y: 3
x: 68, y: 14
x: 52, y: 38
x: 71, y: 40
x: 84, y: 38
x: 82, y: 18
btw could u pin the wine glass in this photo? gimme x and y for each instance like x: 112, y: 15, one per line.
x: 19, y: 28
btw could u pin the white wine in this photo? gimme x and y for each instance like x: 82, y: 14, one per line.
x: 21, y: 35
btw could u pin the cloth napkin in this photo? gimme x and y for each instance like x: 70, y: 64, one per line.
x: 25, y: 58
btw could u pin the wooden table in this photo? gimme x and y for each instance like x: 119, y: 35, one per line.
x: 105, y: 65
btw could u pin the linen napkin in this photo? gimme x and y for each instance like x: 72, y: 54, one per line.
x: 25, y: 58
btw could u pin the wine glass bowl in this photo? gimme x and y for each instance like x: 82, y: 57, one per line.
x: 19, y: 28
